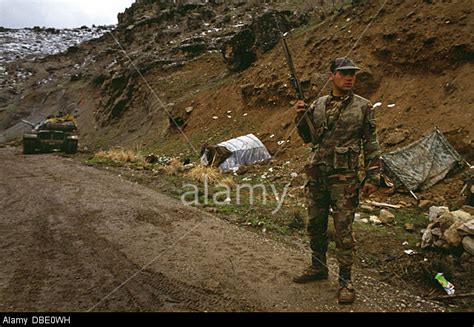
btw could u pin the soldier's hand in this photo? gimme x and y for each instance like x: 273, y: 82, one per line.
x: 300, y: 104
x: 368, y: 189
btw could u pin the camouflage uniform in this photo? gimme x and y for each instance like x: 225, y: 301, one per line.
x: 343, y: 127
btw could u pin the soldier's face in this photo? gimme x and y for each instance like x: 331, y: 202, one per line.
x: 343, y: 80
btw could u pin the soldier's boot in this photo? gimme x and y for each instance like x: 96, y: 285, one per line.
x: 346, y: 293
x: 317, y: 271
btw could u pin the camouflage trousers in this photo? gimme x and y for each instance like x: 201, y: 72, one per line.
x: 340, y: 191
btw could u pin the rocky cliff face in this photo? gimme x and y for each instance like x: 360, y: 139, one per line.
x: 171, y: 36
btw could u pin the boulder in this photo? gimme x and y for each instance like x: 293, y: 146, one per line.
x: 436, y: 211
x: 445, y: 221
x: 452, y: 236
x: 468, y: 244
x: 442, y: 244
x: 427, y: 238
x: 468, y: 209
x: 461, y: 215
x: 386, y: 216
x: 436, y: 232
x: 467, y: 229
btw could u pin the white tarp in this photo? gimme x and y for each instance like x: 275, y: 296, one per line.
x: 245, y: 150
x: 423, y: 163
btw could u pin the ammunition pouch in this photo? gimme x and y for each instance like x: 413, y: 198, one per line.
x: 341, y: 157
x: 346, y: 158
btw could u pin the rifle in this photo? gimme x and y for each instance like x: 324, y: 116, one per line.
x: 294, y: 81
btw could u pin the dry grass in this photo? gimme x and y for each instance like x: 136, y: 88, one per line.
x: 228, y: 181
x: 214, y: 176
x: 119, y: 155
x: 173, y: 168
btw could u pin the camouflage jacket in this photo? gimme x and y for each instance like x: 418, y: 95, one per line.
x: 343, y: 129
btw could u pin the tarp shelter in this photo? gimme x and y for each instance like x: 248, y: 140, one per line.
x: 243, y: 150
x: 422, y: 163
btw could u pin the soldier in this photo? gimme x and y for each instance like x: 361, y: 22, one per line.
x: 341, y: 126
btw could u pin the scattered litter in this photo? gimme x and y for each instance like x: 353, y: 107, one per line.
x: 448, y: 287
x: 280, y: 142
x: 229, y: 111
x: 382, y: 204
x: 229, y: 116
x: 377, y: 104
x: 405, y: 243
x: 227, y: 200
x: 294, y: 175
x: 245, y: 114
x: 215, y: 117
x: 271, y: 136
x: 409, y: 252
x: 391, y: 105
x: 270, y: 169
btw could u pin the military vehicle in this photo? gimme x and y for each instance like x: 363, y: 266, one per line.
x: 52, y: 134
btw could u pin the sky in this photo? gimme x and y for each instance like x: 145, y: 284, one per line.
x: 60, y: 13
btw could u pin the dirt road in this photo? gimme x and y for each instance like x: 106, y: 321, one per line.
x: 74, y: 238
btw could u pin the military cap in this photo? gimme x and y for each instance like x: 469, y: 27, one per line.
x: 342, y: 63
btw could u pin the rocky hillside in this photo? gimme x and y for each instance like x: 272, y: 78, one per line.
x: 219, y: 71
